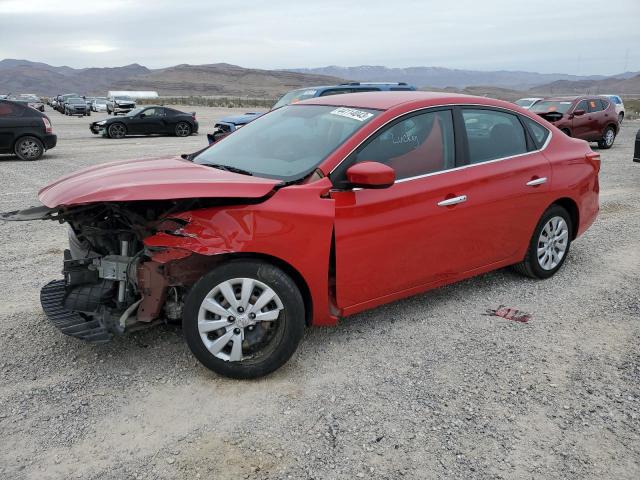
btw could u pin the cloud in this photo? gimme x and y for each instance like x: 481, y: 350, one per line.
x: 574, y: 36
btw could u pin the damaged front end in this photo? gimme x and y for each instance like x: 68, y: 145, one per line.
x: 112, y: 282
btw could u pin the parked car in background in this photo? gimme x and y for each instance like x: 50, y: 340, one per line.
x: 76, y: 106
x: 89, y: 101
x: 24, y: 131
x: 61, y: 100
x: 99, y: 104
x: 528, y: 102
x: 589, y: 118
x: 636, y: 152
x: 276, y: 227
x: 228, y: 125
x: 152, y: 119
x: 619, y: 105
x: 116, y: 105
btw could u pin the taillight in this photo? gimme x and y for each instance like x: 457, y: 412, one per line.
x: 47, y: 125
x: 594, y: 158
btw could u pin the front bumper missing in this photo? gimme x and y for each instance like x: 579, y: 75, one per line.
x: 70, y: 323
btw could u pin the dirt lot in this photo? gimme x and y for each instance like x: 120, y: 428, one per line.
x: 428, y: 387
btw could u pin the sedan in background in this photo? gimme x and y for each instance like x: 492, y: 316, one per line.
x: 230, y: 124
x: 311, y: 213
x: 636, y: 152
x: 153, y: 119
x: 99, y: 104
x: 76, y: 106
x: 589, y: 118
x: 24, y: 131
x: 528, y: 102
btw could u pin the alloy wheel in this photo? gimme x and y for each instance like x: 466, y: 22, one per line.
x: 552, y: 243
x: 238, y: 318
x: 29, y: 149
x: 117, y: 131
x: 609, y: 137
x: 183, y: 130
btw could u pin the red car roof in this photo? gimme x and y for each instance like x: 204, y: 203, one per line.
x: 388, y: 100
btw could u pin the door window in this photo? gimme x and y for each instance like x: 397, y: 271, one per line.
x: 582, y: 106
x: 151, y: 112
x: 594, y: 105
x: 417, y: 145
x: 493, y: 134
x: 537, y: 131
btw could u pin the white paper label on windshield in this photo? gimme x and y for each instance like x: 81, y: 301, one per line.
x: 352, y: 113
x: 309, y: 92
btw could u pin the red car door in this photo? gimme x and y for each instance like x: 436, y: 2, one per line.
x: 437, y: 221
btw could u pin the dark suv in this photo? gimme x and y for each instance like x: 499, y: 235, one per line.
x: 24, y: 131
x: 76, y: 106
x: 593, y: 119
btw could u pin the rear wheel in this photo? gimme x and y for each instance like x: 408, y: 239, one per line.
x: 183, y: 129
x: 244, y: 319
x: 549, y: 245
x: 607, y: 139
x: 117, y: 130
x: 29, y: 148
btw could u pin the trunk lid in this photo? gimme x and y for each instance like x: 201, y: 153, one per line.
x: 164, y: 178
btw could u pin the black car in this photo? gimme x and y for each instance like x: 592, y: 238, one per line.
x: 636, y: 153
x: 153, y: 119
x: 24, y: 131
x: 76, y: 106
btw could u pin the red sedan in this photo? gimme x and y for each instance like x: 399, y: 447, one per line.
x: 314, y: 212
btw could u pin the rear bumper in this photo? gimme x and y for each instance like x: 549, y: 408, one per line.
x: 50, y: 141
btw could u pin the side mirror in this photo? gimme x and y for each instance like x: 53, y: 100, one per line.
x: 577, y: 113
x: 370, y: 175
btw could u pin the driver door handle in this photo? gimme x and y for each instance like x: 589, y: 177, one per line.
x: 537, y: 181
x: 452, y: 201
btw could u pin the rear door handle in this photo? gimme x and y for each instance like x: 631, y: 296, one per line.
x: 452, y: 201
x: 537, y: 181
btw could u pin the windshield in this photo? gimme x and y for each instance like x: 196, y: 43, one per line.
x: 100, y: 100
x: 547, y: 106
x: 295, y: 96
x: 75, y: 100
x: 124, y: 98
x: 525, y: 102
x: 134, y: 112
x: 288, y: 143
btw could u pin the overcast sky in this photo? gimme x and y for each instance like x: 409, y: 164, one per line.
x: 568, y: 36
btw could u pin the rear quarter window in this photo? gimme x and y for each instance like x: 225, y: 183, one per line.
x: 10, y: 110
x: 538, y: 133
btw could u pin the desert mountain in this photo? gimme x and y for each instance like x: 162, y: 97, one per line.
x: 622, y: 84
x: 444, y: 77
x: 216, y: 79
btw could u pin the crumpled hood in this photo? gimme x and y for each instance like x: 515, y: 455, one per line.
x: 151, y: 179
x: 242, y: 119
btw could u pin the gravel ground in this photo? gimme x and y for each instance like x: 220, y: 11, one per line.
x: 428, y: 387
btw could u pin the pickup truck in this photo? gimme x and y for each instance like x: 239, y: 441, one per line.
x: 118, y: 105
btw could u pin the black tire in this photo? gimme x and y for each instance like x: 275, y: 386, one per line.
x: 117, y: 130
x: 108, y: 112
x: 531, y: 266
x: 28, y: 148
x: 285, y: 333
x: 182, y: 129
x: 608, y: 137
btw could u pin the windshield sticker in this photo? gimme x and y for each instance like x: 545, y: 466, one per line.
x: 309, y: 92
x: 352, y: 113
